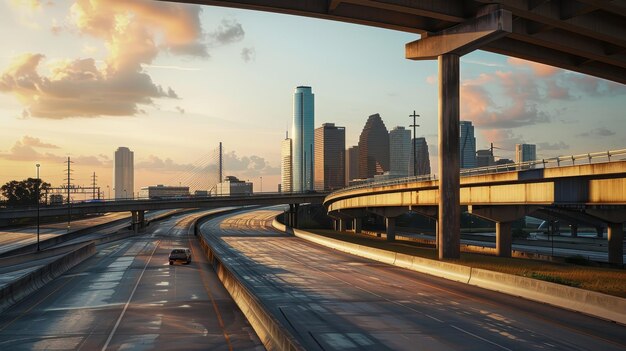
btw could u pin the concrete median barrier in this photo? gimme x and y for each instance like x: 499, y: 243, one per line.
x: 26, y: 285
x: 589, y: 302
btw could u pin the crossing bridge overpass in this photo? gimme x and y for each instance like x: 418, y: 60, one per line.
x: 139, y: 206
x: 586, y: 36
x: 585, y: 194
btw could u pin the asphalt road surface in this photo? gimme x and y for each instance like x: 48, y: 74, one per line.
x: 128, y: 297
x: 329, y: 300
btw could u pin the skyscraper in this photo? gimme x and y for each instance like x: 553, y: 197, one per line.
x: 330, y: 163
x: 123, y: 173
x: 525, y: 152
x: 422, y: 155
x: 399, y: 151
x: 373, y: 148
x: 484, y: 158
x: 352, y: 164
x: 285, y: 167
x: 467, y: 145
x: 302, y: 144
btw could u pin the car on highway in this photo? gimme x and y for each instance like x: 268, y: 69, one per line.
x: 180, y: 254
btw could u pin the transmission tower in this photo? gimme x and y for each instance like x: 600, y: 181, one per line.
x: 69, y: 201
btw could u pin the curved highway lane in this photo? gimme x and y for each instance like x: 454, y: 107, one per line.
x: 128, y: 297
x: 329, y: 300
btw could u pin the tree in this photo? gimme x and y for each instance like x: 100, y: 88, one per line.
x: 24, y: 193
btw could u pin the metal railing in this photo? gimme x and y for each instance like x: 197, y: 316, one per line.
x: 554, y: 162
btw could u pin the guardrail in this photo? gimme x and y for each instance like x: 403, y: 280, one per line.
x: 554, y: 162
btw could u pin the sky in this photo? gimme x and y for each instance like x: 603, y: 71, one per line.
x: 170, y: 81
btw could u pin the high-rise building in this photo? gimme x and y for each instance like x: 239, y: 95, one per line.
x: 123, y: 173
x: 352, y: 164
x: 484, y: 158
x: 330, y: 161
x: 373, y: 148
x: 302, y: 144
x: 467, y: 145
x: 525, y: 152
x: 285, y: 166
x: 399, y: 151
x: 422, y: 156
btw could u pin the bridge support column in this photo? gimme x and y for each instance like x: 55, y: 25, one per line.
x: 342, y: 225
x: 390, y: 224
x: 138, y: 222
x: 616, y: 243
x: 573, y: 230
x: 504, y: 239
x: 357, y: 225
x: 295, y: 215
x: 599, y: 232
x: 447, y: 46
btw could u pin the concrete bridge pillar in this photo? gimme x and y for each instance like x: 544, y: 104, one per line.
x: 616, y: 243
x: 357, y: 225
x: 390, y: 224
x: 138, y: 221
x: 342, y: 225
x: 504, y: 239
x: 295, y: 215
x: 599, y: 232
x: 573, y: 230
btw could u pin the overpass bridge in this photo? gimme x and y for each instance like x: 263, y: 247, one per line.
x: 589, y: 193
x: 139, y: 206
x: 586, y: 36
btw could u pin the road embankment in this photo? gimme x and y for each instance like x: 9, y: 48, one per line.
x: 589, y: 302
x: 29, y: 283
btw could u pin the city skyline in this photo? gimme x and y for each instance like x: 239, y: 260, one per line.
x: 221, y: 78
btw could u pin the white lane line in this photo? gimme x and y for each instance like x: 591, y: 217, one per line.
x: 119, y: 319
x: 481, y: 338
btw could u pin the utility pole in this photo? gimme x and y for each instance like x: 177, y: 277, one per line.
x: 221, y: 169
x: 93, y: 185
x: 69, y: 202
x: 414, y: 125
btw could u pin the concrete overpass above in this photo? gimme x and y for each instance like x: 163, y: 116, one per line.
x: 586, y: 36
x: 585, y: 193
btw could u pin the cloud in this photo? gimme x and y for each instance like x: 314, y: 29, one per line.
x: 597, y: 132
x: 180, y: 110
x: 229, y: 31
x: 503, y: 139
x: 25, y: 150
x: 134, y: 33
x: 552, y: 146
x: 539, y: 69
x: 432, y: 79
x: 248, y: 54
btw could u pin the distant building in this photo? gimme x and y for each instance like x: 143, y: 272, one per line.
x: 525, y: 152
x: 330, y: 160
x: 352, y: 164
x: 201, y: 193
x: 373, y: 148
x: 231, y: 186
x: 163, y: 192
x: 302, y: 135
x: 399, y: 151
x: 123, y: 173
x: 286, y: 170
x: 504, y: 161
x: 467, y: 144
x: 484, y: 158
x: 422, y: 155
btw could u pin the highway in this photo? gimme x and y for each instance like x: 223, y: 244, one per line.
x: 329, y: 300
x: 128, y: 297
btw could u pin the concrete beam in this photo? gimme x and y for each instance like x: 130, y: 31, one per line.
x: 462, y: 38
x: 612, y: 215
x: 426, y: 211
x: 391, y: 211
x: 502, y: 213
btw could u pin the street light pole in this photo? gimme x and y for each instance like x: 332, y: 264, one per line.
x: 261, y: 184
x: 414, y: 125
x: 37, y: 196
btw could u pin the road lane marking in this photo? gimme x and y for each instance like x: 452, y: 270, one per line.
x: 481, y: 338
x: 119, y: 319
x: 210, y: 293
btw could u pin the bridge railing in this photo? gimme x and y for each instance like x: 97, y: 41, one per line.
x: 553, y: 162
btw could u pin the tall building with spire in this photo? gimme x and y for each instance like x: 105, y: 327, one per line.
x: 373, y: 148
x: 422, y: 156
x: 330, y: 161
x: 525, y: 152
x: 467, y: 144
x: 399, y: 151
x: 302, y: 143
x: 124, y: 173
x: 285, y: 165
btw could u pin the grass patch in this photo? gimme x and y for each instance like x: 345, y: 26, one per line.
x: 555, y: 279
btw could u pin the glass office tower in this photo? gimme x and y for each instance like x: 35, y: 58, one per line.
x: 302, y: 136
